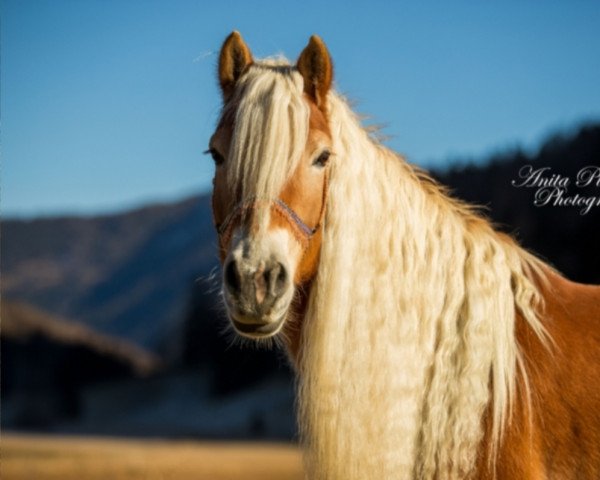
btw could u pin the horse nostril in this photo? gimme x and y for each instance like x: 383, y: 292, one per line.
x: 232, y: 278
x: 280, y: 280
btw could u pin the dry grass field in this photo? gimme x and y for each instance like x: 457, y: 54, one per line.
x: 73, y: 458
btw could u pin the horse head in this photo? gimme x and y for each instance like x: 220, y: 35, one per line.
x: 272, y: 149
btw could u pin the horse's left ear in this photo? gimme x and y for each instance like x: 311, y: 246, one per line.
x: 235, y: 56
x: 314, y: 64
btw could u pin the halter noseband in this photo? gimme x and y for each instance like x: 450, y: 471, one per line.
x: 302, y: 232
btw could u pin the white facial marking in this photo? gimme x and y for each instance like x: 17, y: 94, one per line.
x: 252, y: 254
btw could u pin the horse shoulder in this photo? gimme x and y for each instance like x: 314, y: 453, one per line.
x: 557, y: 433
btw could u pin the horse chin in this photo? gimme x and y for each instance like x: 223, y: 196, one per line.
x: 257, y: 329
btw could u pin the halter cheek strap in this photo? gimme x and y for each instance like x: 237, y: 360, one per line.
x: 302, y: 232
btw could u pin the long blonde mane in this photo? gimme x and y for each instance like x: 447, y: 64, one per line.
x: 409, y: 334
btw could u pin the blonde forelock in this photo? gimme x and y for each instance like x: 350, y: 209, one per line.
x: 270, y: 129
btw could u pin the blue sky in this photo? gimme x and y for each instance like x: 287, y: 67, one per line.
x: 109, y: 104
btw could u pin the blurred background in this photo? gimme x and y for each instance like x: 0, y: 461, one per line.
x: 111, y: 322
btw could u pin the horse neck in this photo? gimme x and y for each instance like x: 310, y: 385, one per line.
x: 411, y: 310
x: 363, y: 371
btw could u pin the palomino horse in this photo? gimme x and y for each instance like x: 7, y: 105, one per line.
x: 426, y: 344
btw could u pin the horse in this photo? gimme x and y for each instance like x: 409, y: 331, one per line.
x: 426, y: 344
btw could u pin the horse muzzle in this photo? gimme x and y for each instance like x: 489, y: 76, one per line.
x: 257, y: 294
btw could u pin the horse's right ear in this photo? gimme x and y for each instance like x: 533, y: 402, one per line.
x: 234, y: 58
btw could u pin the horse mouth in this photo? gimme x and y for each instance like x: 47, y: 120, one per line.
x: 257, y: 329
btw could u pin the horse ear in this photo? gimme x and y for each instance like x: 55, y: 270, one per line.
x: 235, y: 56
x: 314, y: 64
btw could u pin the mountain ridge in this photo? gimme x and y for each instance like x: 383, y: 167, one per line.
x: 103, y: 271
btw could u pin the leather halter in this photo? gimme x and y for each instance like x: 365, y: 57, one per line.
x: 302, y: 232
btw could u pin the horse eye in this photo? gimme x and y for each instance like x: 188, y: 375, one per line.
x: 216, y: 156
x: 322, y: 159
